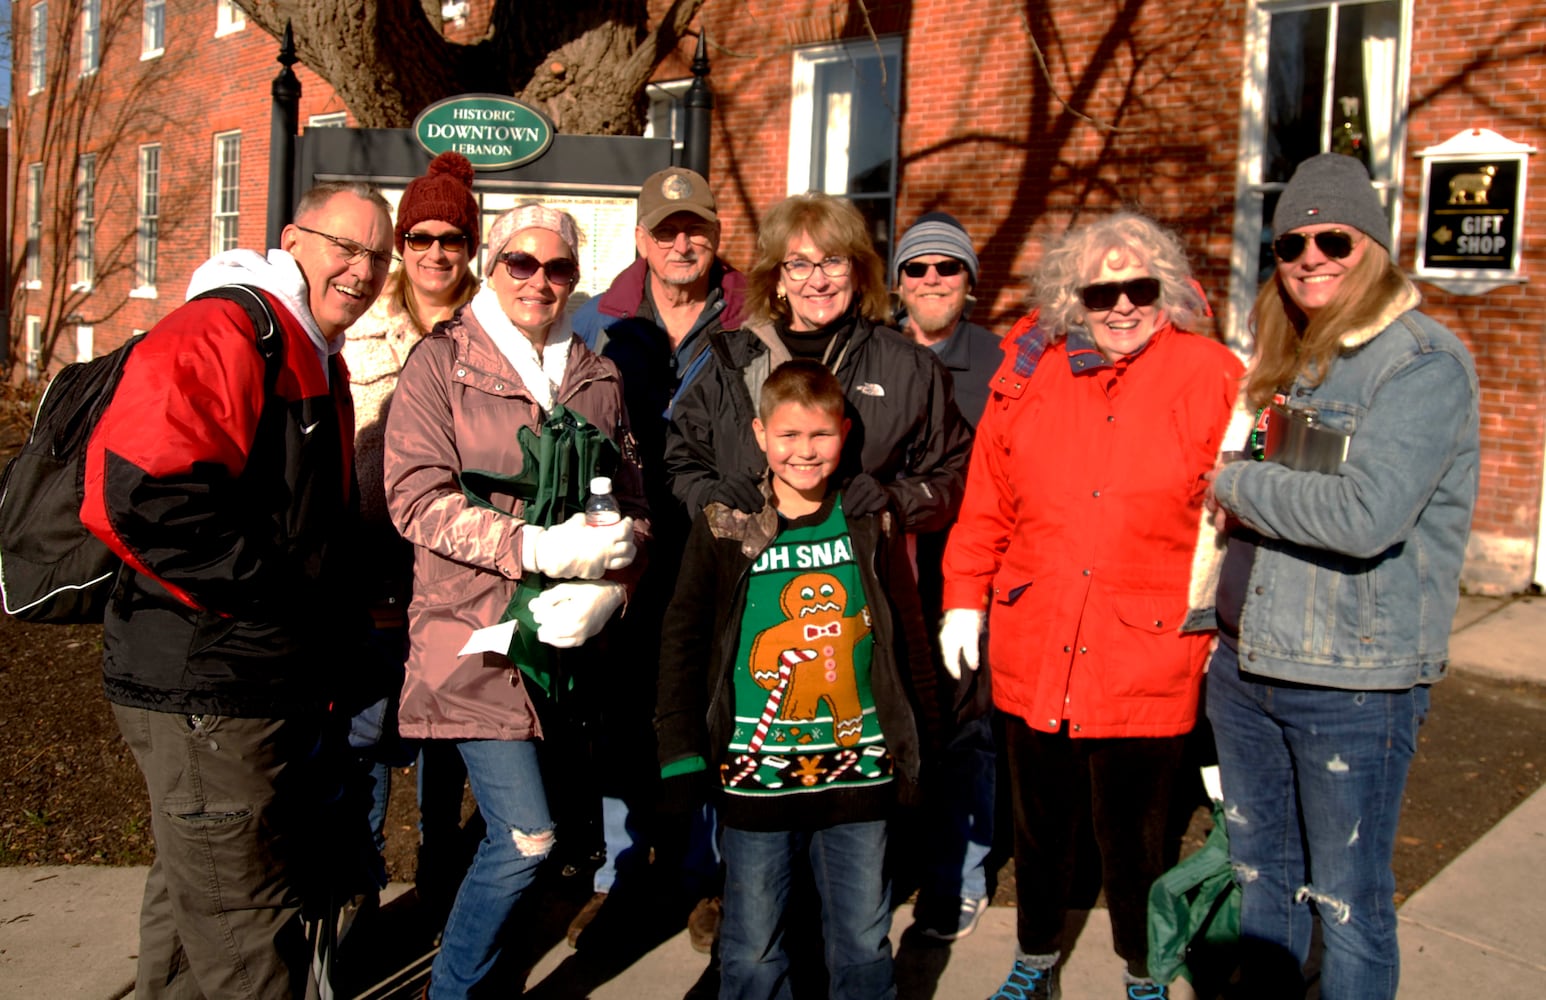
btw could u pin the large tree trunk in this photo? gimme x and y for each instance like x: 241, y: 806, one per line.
x: 583, y: 62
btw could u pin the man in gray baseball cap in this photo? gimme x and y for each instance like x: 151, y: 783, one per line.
x: 654, y: 322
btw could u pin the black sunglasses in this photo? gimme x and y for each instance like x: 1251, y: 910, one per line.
x: 522, y: 265
x: 449, y: 242
x: 1333, y: 243
x: 1104, y: 295
x: 944, y: 268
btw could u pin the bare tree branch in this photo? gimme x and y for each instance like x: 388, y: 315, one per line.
x: 585, y: 63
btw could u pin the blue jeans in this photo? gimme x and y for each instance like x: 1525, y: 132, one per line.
x: 961, y: 819
x: 627, y: 845
x: 1313, y: 779
x: 508, y: 786
x: 847, y: 867
x: 628, y: 849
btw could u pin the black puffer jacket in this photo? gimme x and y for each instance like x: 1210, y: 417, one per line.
x: 907, y: 431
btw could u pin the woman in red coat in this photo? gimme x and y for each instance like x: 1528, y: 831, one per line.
x: 1074, y: 550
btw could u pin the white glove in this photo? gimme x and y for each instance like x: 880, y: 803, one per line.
x: 959, y: 632
x: 567, y: 614
x: 576, y: 550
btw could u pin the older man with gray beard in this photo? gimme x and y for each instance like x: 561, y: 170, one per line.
x: 935, y: 272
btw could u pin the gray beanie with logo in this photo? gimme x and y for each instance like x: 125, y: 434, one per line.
x: 935, y: 232
x: 1332, y: 188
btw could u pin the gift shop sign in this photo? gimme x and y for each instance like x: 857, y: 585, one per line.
x: 1473, y: 201
x: 494, y: 132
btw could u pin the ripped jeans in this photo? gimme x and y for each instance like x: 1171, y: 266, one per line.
x: 507, y: 783
x: 1313, y: 779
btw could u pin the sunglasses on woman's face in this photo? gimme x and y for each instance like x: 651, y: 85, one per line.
x: 522, y: 265
x: 1105, y: 295
x: 1334, y: 244
x: 945, y: 268
x: 449, y: 242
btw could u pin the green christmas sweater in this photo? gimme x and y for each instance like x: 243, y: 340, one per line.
x: 805, y: 720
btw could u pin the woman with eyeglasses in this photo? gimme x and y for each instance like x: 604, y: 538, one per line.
x: 1339, y: 583
x: 437, y: 234
x: 818, y: 290
x: 471, y: 389
x: 1074, y: 552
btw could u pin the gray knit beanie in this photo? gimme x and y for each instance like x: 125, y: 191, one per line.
x: 1332, y: 188
x: 935, y: 232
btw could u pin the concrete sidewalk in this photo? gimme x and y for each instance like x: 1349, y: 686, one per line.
x: 1475, y: 929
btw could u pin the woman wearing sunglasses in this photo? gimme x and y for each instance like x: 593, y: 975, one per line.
x: 1084, y: 505
x: 1338, y: 586
x: 437, y: 234
x: 469, y: 391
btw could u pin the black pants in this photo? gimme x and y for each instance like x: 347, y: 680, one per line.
x: 1122, y: 787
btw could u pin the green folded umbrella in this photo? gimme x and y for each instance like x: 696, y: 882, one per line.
x: 561, y: 457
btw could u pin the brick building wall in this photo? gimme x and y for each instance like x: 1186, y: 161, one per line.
x: 1018, y: 119
x: 202, y: 84
x: 1474, y: 65
x: 1146, y: 113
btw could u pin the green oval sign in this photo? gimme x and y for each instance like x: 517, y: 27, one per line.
x: 493, y: 131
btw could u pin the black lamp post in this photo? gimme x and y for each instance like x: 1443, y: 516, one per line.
x: 284, y: 123
x: 699, y: 102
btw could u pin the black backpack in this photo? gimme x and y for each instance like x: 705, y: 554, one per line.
x: 51, y: 568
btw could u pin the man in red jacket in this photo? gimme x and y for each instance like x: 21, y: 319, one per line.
x: 223, y: 488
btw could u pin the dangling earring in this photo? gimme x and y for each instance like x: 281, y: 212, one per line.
x: 783, y: 296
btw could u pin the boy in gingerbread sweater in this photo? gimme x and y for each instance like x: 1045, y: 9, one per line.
x: 792, y: 667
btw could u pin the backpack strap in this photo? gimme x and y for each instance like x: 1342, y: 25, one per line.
x: 265, y: 326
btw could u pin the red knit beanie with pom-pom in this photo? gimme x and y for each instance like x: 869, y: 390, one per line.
x: 443, y: 194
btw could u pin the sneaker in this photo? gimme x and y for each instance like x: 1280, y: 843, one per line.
x: 1028, y: 983
x: 703, y: 924
x: 1148, y: 990
x: 583, y: 919
x: 966, y: 921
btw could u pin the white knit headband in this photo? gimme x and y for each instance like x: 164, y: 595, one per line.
x: 531, y: 215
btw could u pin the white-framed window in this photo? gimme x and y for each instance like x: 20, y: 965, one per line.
x: 147, y: 246
x: 34, y: 225
x: 153, y: 42
x: 85, y: 343
x: 843, y: 127
x: 227, y: 191
x: 34, y: 346
x: 228, y: 17
x: 667, y: 117
x: 333, y: 119
x: 85, y: 220
x: 1322, y: 76
x: 38, y: 46
x: 91, y: 36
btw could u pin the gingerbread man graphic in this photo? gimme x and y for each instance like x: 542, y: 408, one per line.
x: 808, y: 658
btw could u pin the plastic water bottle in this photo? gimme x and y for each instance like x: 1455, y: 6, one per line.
x: 601, y: 506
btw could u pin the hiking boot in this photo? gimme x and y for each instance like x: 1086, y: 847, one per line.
x: 583, y: 919
x: 1028, y: 983
x: 1147, y: 989
x: 703, y: 924
x: 966, y: 920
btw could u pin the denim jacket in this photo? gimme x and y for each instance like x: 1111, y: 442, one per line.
x: 1357, y: 577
